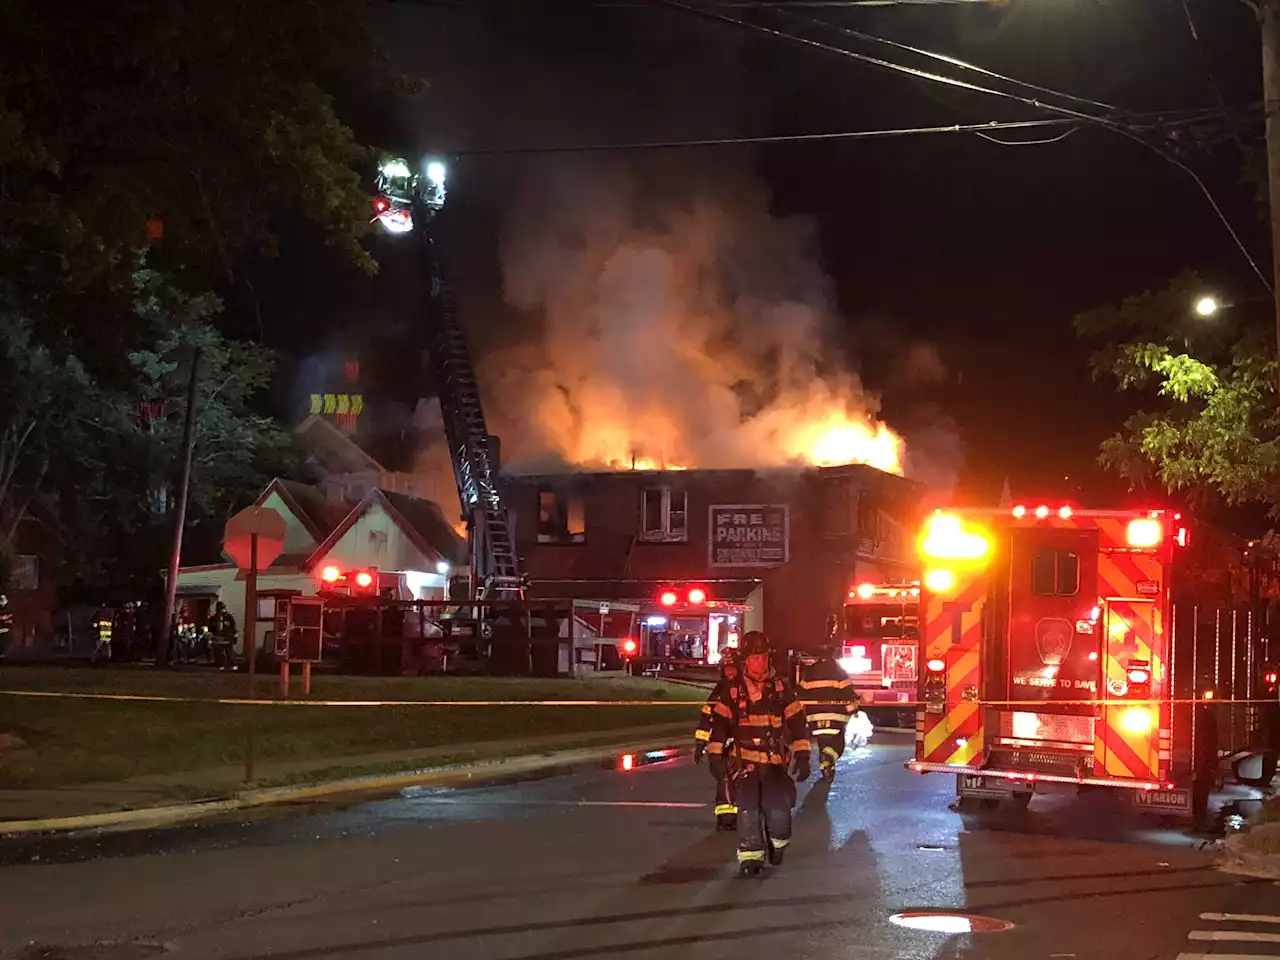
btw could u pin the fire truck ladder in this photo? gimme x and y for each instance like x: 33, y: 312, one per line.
x: 495, y: 564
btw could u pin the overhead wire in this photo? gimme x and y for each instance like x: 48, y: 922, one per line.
x: 1106, y: 123
x: 1158, y: 120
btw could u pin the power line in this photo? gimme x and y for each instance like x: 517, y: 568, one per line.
x: 1104, y: 122
x: 955, y: 62
x: 1150, y: 121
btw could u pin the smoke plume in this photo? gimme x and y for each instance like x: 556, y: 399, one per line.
x: 671, y: 323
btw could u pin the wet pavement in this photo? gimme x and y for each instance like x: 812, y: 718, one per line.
x: 623, y: 862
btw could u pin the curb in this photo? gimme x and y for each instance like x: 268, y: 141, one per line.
x: 173, y: 814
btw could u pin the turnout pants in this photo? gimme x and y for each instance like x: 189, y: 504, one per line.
x: 724, y: 797
x: 829, y: 738
x: 769, y: 790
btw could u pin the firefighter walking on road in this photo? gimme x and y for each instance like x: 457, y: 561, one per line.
x: 762, y: 719
x: 830, y: 701
x: 726, y: 810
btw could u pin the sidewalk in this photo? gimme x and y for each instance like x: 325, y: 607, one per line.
x: 224, y: 782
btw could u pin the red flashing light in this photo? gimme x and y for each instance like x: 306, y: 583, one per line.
x: 697, y: 595
x: 668, y: 599
x: 381, y: 204
x: 1065, y: 513
x: 936, y: 665
x: 1042, y: 511
x: 629, y: 646
x: 330, y: 574
x: 364, y: 578
x: 1182, y: 536
x: 1271, y: 678
x: 1019, y: 511
x: 628, y: 761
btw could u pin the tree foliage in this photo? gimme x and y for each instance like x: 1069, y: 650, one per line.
x: 1208, y: 426
x: 78, y: 458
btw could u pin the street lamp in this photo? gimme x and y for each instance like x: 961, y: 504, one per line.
x: 1207, y: 306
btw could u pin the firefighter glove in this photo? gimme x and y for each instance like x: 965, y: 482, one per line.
x: 699, y: 748
x: 717, y: 765
x: 803, y: 767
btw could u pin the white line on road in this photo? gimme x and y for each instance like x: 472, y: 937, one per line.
x: 1241, y: 917
x: 1241, y: 936
x: 481, y: 802
x: 1226, y: 956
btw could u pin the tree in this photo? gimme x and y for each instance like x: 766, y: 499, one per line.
x: 1208, y: 429
x: 77, y: 456
x: 205, y: 119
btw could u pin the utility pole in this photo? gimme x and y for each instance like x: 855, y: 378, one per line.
x: 180, y: 514
x: 1269, y: 17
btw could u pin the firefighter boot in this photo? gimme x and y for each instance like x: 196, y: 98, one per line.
x: 726, y: 822
x: 777, y: 848
x: 750, y: 868
x: 827, y: 765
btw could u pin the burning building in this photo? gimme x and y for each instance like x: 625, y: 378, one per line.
x: 771, y: 549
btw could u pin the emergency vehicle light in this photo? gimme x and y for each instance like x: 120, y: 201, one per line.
x: 1065, y: 513
x: 380, y: 205
x: 1139, y: 675
x: 866, y: 590
x: 668, y: 599
x: 628, y: 646
x: 946, y: 538
x: 939, y: 581
x: 1136, y: 720
x: 1271, y: 677
x: 1019, y: 511
x: 331, y: 575
x: 936, y: 665
x: 697, y: 595
x: 1042, y: 511
x: 364, y: 578
x: 1144, y: 532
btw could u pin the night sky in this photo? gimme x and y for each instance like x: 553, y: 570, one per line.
x: 983, y: 250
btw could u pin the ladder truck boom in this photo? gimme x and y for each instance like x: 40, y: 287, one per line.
x: 409, y: 203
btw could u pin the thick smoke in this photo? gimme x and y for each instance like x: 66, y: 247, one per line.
x: 671, y: 322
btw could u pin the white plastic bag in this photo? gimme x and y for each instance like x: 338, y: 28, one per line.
x: 858, y: 732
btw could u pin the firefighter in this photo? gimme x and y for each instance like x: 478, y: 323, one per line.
x: 102, y: 627
x: 222, y: 627
x: 830, y: 702
x: 726, y: 811
x: 763, y: 720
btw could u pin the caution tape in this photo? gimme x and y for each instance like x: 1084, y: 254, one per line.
x: 273, y: 702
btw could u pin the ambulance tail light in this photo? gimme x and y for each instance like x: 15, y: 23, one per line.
x: 935, y: 684
x: 1145, y: 532
x: 1138, y: 675
x: 936, y: 665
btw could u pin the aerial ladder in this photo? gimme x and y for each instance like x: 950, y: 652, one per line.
x: 408, y: 202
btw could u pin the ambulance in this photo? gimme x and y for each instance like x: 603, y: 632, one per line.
x: 1087, y: 649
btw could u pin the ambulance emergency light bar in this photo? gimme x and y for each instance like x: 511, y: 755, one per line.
x: 364, y: 579
x: 870, y: 591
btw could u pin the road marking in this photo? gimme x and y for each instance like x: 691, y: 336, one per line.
x: 479, y: 801
x: 1226, y: 956
x: 1241, y: 917
x: 1242, y: 936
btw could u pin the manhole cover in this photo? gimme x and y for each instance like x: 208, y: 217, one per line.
x: 682, y: 875
x: 941, y: 921
x: 97, y: 951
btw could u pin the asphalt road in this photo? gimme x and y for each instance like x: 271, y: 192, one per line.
x: 603, y: 863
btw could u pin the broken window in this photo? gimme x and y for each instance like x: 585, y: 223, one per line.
x: 664, y: 514
x: 561, y: 517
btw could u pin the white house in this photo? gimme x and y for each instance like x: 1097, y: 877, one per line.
x: 404, y: 542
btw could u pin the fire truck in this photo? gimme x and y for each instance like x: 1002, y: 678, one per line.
x: 878, y: 634
x: 1094, y: 649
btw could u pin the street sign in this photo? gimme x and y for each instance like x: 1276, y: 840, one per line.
x: 604, y: 609
x: 262, y: 522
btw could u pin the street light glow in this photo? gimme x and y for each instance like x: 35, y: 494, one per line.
x: 435, y: 171
x: 1207, y: 306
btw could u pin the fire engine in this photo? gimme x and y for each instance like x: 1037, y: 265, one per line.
x: 878, y: 634
x: 1077, y: 647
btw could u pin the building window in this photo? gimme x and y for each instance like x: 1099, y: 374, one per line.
x: 561, y: 517
x: 26, y: 572
x: 664, y: 515
x: 378, y: 542
x: 838, y: 504
x: 1055, y: 573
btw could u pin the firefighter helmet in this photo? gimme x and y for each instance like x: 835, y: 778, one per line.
x: 754, y: 642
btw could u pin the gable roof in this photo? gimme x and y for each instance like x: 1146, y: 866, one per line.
x: 422, y: 521
x: 309, y: 504
x: 336, y: 452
